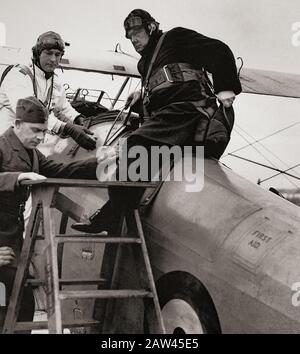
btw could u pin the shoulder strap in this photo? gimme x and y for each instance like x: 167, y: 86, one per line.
x: 154, y: 56
x: 5, y: 72
x: 221, y: 107
x: 24, y: 70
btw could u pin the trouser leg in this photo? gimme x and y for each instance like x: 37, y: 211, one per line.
x: 129, y: 197
x: 122, y: 199
x: 26, y: 313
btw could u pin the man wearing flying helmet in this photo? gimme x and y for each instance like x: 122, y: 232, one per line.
x: 174, y: 98
x: 41, y: 81
x: 182, y: 50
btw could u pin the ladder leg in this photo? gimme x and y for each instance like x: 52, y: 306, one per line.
x: 106, y: 272
x: 52, y: 282
x: 151, y: 305
x: 60, y: 246
x: 109, y: 256
x: 110, y: 304
x: 22, y: 270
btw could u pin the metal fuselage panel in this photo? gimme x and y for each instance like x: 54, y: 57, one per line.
x: 241, y: 242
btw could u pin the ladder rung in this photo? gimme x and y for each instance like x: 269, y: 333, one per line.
x: 82, y: 281
x: 93, y: 238
x: 104, y: 294
x: 38, y: 282
x: 24, y: 326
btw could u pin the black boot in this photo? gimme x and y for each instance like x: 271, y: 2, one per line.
x: 101, y: 220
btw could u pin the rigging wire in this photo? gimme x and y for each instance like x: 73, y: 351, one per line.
x: 255, y: 148
x: 263, y: 165
x: 277, y: 174
x: 260, y: 153
x: 261, y: 139
x: 275, y: 156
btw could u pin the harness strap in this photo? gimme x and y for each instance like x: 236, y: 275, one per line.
x: 174, y: 73
x: 25, y: 70
x: 5, y: 72
x: 154, y: 56
x: 150, y: 193
x: 207, y: 109
x: 145, y: 91
x: 149, y: 196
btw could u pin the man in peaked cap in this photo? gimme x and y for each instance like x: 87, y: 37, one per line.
x: 41, y: 81
x: 20, y: 160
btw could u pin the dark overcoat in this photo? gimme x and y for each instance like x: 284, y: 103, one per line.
x: 15, y: 159
x: 175, y: 117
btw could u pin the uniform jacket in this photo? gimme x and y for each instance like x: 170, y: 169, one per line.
x: 14, y: 159
x: 175, y: 118
x: 17, y: 84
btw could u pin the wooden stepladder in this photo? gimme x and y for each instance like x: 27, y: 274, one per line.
x: 43, y: 202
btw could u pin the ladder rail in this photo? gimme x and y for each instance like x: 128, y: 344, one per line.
x: 87, y: 183
x: 44, y: 195
x: 160, y: 321
x: 110, y: 305
x: 52, y: 276
x: 22, y: 270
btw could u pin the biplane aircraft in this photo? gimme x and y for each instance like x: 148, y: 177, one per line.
x: 225, y: 259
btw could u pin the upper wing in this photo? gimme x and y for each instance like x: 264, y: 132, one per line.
x: 253, y: 80
x: 107, y: 62
x: 270, y: 83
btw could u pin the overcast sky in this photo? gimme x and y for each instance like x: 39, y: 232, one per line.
x: 264, y: 32
x: 258, y: 30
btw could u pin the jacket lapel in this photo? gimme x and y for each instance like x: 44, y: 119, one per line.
x: 18, y: 146
x: 35, y: 166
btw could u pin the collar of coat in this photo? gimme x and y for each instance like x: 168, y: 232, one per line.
x: 154, y: 38
x: 41, y: 74
x: 17, y: 145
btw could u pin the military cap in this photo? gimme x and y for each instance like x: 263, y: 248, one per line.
x: 31, y: 110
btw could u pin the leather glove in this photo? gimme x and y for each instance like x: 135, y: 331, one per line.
x: 79, y: 120
x: 133, y: 98
x: 135, y: 121
x: 80, y: 135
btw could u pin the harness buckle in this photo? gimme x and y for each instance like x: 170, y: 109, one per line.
x: 167, y: 73
x: 146, y: 99
x: 21, y: 209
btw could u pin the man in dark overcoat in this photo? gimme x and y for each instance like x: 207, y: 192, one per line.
x: 20, y: 160
x: 174, y: 97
